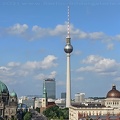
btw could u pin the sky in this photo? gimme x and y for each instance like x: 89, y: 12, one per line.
x: 32, y: 40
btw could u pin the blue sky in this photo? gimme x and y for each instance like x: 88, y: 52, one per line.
x: 32, y: 40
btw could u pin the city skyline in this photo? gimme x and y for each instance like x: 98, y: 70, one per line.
x: 33, y: 36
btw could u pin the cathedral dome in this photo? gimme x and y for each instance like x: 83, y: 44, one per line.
x: 13, y: 94
x: 3, y: 88
x: 114, y: 93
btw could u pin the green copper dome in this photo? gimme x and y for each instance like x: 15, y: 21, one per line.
x: 13, y: 94
x: 3, y: 88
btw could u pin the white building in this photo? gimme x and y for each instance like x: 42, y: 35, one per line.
x: 27, y: 101
x: 111, y: 106
x: 31, y: 103
x: 38, y: 103
x: 61, y: 103
x: 79, y: 97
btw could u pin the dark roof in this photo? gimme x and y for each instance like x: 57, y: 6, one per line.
x: 90, y: 105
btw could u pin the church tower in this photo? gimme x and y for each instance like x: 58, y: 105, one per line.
x: 44, y: 98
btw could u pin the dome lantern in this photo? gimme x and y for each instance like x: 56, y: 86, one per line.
x: 13, y: 94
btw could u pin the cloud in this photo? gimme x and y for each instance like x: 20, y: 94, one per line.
x: 61, y: 30
x: 92, y: 59
x: 17, y: 29
x: 47, y: 62
x: 37, y: 32
x: 117, y: 37
x: 3, y: 68
x: 77, y: 52
x: 14, y: 71
x: 53, y: 74
x: 117, y: 79
x: 80, y: 78
x: 100, y: 65
x: 42, y: 76
x: 96, y: 35
x: 110, y: 46
x: 13, y: 64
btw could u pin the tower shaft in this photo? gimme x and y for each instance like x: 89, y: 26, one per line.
x: 68, y: 82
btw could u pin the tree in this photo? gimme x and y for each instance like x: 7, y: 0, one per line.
x: 13, y: 118
x: 38, y: 109
x: 65, y: 113
x: 27, y: 116
x: 56, y: 113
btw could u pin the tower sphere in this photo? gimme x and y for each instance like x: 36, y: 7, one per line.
x: 68, y: 48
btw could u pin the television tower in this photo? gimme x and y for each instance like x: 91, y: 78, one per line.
x: 68, y: 49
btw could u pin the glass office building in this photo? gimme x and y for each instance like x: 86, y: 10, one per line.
x: 63, y: 95
x: 50, y: 85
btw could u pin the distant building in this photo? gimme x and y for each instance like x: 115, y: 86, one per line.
x: 8, y: 103
x: 79, y: 97
x: 63, y: 95
x: 61, y: 103
x: 38, y: 103
x: 28, y: 102
x: 22, y: 107
x: 110, y: 108
x: 50, y: 86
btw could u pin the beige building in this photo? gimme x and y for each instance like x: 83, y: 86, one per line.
x: 110, y: 106
x: 8, y: 103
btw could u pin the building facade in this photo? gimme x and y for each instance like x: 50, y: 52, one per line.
x: 79, y: 97
x: 28, y: 102
x: 8, y: 103
x: 63, y: 95
x: 50, y: 85
x: 110, y: 107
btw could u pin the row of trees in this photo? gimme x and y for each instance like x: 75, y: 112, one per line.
x: 55, y: 112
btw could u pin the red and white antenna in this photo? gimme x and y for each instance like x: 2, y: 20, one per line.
x: 68, y: 24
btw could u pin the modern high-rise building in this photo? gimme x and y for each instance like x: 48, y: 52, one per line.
x: 50, y: 85
x: 63, y: 95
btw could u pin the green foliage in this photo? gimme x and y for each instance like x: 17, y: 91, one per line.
x: 13, y: 118
x: 56, y: 113
x: 38, y: 110
x: 27, y: 116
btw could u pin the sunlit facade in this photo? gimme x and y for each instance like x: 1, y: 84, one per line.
x: 110, y: 107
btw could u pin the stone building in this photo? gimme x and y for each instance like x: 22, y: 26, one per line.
x: 110, y: 107
x: 8, y: 103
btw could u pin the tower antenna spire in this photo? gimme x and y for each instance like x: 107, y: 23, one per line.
x: 68, y: 23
